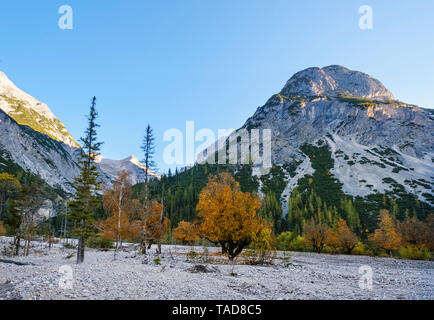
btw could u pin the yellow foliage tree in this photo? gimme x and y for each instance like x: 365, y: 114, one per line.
x: 346, y: 238
x: 186, y: 232
x: 229, y: 216
x: 263, y: 245
x: 118, y: 202
x: 155, y: 225
x: 387, y: 236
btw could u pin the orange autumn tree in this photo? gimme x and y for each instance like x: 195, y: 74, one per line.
x: 186, y: 232
x: 229, y: 216
x: 387, y: 236
x: 346, y: 238
x: 316, y: 234
x: 155, y: 225
x: 2, y: 229
x: 122, y: 208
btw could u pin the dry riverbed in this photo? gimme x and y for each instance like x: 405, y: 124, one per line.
x: 52, y: 275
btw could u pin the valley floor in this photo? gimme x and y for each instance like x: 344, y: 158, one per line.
x: 307, y: 276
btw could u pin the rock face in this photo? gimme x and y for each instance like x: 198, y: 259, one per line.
x: 32, y: 138
x: 52, y: 160
x: 372, y: 137
x: 333, y: 80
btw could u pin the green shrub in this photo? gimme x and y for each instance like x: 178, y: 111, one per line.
x: 331, y: 250
x: 414, y: 253
x: 99, y: 242
x: 289, y: 241
x: 157, y: 261
x: 362, y: 250
x: 192, y: 255
x: 69, y: 246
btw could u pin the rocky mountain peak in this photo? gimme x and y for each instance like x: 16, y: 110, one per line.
x: 26, y: 110
x: 332, y: 81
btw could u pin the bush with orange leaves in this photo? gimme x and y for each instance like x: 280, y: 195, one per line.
x: 2, y: 229
x: 316, y: 234
x: 122, y: 209
x: 387, y: 236
x: 229, y: 216
x: 343, y: 237
x: 155, y: 223
x: 187, y: 232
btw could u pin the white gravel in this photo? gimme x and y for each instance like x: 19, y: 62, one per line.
x: 308, y: 276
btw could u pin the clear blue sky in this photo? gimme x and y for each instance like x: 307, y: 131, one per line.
x: 164, y: 62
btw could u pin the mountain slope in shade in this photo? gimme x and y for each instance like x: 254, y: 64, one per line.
x: 26, y: 110
x: 53, y: 161
x: 377, y: 143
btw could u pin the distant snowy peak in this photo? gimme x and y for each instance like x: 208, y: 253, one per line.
x: 333, y: 80
x: 26, y: 110
x: 131, y: 164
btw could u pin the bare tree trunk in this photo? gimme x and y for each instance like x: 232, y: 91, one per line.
x: 80, y: 250
x: 143, y: 244
x: 17, y: 244
x: 161, y: 221
x: 118, y: 238
x: 27, y: 244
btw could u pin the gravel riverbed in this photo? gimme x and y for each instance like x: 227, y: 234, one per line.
x: 131, y: 276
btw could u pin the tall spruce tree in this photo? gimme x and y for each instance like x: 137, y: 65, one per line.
x: 83, y: 207
x: 148, y: 148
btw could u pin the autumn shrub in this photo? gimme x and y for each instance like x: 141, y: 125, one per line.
x: 2, y: 229
x: 414, y: 253
x: 228, y: 215
x: 387, y: 236
x: 263, y: 251
x: 316, y: 234
x: 186, y: 232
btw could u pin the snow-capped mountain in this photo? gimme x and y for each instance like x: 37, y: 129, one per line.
x: 131, y: 164
x: 377, y: 143
x: 33, y: 139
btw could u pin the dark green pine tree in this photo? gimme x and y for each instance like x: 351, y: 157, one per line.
x: 271, y: 211
x: 148, y: 148
x: 85, y: 203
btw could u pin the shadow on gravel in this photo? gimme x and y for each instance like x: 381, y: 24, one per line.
x: 7, y: 292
